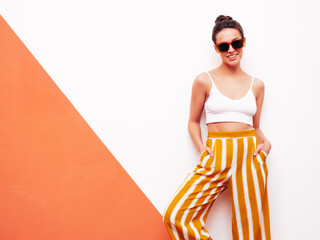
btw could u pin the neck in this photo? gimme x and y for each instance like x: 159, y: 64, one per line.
x: 230, y: 70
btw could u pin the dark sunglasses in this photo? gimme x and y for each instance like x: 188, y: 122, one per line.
x: 236, y: 44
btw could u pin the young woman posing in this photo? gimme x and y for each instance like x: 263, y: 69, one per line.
x: 235, y: 152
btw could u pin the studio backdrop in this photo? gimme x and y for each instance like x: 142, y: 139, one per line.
x: 95, y: 100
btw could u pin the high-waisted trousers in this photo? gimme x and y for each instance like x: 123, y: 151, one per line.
x: 235, y: 167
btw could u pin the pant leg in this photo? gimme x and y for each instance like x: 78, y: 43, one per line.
x: 248, y: 192
x: 186, y: 214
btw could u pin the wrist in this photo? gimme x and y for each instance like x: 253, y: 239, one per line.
x: 201, y: 147
x: 266, y: 142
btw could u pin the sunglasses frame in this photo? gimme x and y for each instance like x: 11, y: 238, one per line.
x: 243, y: 44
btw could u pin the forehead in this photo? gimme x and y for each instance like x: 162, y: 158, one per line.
x: 227, y: 35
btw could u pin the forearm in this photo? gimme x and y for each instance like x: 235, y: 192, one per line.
x: 260, y: 135
x: 195, y: 133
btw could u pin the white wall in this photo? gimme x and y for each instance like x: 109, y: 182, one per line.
x: 128, y: 68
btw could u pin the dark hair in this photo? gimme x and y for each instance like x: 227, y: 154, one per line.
x: 223, y: 21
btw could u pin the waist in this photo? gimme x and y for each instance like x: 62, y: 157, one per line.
x: 237, y: 133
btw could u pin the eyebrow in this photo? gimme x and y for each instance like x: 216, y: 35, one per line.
x: 231, y: 40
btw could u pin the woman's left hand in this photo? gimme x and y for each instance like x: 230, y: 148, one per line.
x: 266, y: 147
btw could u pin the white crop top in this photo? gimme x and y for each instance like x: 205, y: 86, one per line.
x: 220, y: 108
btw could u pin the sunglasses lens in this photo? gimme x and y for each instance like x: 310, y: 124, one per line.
x: 223, y: 47
x: 237, y: 44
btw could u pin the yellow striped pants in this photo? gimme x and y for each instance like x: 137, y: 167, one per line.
x: 233, y: 165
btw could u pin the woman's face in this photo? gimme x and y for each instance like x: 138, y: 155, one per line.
x: 232, y: 56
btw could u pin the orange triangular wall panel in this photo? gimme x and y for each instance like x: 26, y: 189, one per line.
x: 58, y: 180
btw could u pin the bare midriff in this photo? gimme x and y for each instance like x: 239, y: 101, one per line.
x: 228, y: 126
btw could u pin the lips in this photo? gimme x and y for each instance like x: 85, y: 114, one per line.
x: 232, y: 55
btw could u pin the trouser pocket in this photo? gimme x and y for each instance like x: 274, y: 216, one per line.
x: 262, y: 157
x: 209, y: 143
x: 265, y: 154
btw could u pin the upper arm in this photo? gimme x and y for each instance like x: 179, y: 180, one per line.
x: 259, y: 90
x: 198, y: 96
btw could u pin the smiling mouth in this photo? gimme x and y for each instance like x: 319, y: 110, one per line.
x: 232, y: 55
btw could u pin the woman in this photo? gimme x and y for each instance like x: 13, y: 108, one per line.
x: 235, y: 152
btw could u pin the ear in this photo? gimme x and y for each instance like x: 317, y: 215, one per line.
x: 244, y: 41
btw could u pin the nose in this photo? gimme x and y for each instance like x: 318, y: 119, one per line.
x: 231, y: 49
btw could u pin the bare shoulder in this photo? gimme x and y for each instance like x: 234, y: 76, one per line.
x: 201, y: 84
x: 202, y: 79
x: 258, y: 82
x: 258, y: 87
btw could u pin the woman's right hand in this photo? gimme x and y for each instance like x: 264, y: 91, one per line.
x: 205, y: 148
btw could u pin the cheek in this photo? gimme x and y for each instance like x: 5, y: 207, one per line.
x: 240, y: 53
x: 224, y: 56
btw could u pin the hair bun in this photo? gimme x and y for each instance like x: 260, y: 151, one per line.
x: 222, y: 18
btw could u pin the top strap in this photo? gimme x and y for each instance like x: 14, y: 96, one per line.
x: 252, y: 82
x: 210, y: 77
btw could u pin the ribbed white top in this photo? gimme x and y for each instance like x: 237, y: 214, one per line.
x: 220, y: 108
